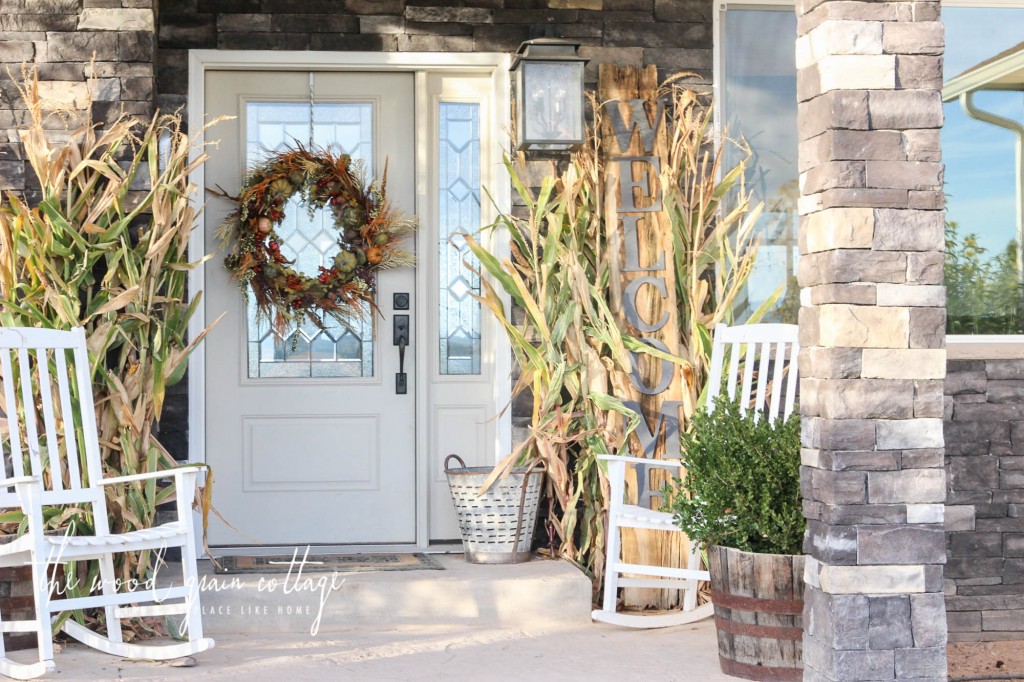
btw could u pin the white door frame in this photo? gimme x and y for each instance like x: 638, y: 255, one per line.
x: 496, y: 65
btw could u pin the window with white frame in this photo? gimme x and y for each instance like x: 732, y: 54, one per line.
x: 458, y: 189
x: 756, y: 76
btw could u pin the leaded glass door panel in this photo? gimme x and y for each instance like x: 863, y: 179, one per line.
x: 309, y: 239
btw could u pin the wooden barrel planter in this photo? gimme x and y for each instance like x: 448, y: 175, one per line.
x: 759, y: 601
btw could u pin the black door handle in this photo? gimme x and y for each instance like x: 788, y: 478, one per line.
x: 401, y: 339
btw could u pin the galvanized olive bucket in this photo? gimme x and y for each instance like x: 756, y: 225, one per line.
x: 497, y: 527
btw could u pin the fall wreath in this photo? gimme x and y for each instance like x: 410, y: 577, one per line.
x: 369, y: 231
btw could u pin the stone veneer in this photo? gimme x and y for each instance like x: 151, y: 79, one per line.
x: 985, y: 499
x: 67, y: 41
x: 873, y: 338
x: 675, y: 35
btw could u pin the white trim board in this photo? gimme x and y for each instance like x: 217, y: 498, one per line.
x: 984, y: 347
x: 496, y: 65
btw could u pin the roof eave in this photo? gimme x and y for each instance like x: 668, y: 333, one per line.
x: 1006, y: 73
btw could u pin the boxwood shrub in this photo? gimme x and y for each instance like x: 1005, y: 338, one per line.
x: 742, y: 484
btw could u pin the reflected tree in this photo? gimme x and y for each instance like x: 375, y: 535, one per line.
x: 984, y: 294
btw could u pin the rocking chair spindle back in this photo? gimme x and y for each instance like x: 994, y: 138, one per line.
x: 51, y: 454
x: 761, y: 373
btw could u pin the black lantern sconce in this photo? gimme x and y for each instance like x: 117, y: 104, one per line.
x: 549, y: 94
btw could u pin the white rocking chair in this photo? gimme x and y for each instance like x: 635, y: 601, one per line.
x: 764, y: 344
x: 37, y: 375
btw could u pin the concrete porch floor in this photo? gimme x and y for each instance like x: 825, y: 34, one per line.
x: 536, y: 594
x: 527, y: 621
x: 585, y: 653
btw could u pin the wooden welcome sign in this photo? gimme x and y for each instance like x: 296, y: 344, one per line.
x: 643, y: 292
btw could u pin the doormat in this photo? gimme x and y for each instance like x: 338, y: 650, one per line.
x: 326, y: 563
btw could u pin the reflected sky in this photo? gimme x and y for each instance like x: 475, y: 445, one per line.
x: 979, y: 156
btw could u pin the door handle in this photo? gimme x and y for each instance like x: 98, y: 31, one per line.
x: 401, y: 339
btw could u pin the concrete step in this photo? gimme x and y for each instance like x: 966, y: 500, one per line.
x: 538, y: 593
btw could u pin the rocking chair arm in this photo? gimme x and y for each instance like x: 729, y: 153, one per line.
x: 18, y: 480
x: 165, y: 473
x: 660, y: 463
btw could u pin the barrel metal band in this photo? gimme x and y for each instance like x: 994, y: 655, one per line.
x: 780, y: 632
x: 760, y: 672
x: 778, y: 606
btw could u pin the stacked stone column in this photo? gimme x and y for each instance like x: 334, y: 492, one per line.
x: 873, y: 337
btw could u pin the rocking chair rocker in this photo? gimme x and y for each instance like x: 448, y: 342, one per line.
x: 770, y: 348
x: 42, y: 455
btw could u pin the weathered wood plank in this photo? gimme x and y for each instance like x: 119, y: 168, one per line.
x: 741, y: 584
x: 718, y: 566
x: 641, y: 289
x: 774, y: 580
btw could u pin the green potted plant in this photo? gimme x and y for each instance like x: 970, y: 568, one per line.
x: 740, y: 498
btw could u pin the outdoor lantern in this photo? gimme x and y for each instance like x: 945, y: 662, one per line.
x: 549, y: 94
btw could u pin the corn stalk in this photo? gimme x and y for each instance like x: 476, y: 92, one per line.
x: 106, y: 247
x: 713, y: 233
x: 573, y: 356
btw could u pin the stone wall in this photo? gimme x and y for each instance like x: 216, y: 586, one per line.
x: 673, y: 34
x: 18, y: 603
x: 68, y: 41
x: 985, y: 499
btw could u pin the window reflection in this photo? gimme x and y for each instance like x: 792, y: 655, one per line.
x: 982, y: 244
x: 982, y: 262
x: 759, y: 103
